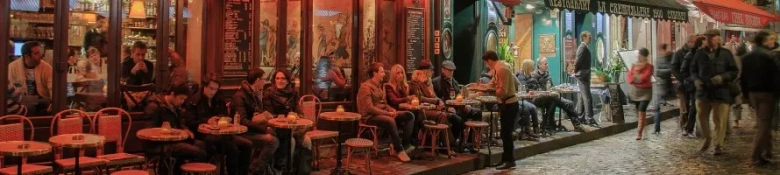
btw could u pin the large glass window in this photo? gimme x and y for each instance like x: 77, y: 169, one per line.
x: 87, y: 55
x: 331, y: 49
x: 139, y: 51
x: 294, y: 37
x: 368, y: 37
x: 29, y: 70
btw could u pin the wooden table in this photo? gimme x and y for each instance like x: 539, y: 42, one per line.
x: 340, y: 117
x: 286, y: 125
x: 78, y: 142
x: 159, y: 135
x: 223, y: 132
x: 22, y: 149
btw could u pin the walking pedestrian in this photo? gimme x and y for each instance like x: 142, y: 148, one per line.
x: 641, y: 87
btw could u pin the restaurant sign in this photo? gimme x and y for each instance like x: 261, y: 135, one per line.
x: 731, y: 16
x: 634, y: 9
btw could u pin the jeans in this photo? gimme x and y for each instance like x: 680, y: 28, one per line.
x: 765, y: 106
x: 690, y: 123
x: 264, y: 147
x: 528, y: 115
x: 507, y: 119
x: 391, y: 125
x: 237, y: 151
x: 585, y: 101
x: 719, y: 116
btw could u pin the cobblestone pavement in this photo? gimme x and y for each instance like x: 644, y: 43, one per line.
x: 667, y: 153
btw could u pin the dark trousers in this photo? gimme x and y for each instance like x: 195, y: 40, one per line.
x: 585, y: 102
x: 691, y: 122
x: 238, y: 151
x: 193, y: 150
x: 509, y: 113
x: 528, y: 115
x: 765, y: 106
x: 264, y: 146
x: 404, y: 119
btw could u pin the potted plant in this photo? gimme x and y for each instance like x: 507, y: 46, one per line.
x: 505, y: 54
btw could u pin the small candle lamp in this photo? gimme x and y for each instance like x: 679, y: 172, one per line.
x: 292, y: 117
x: 223, y: 122
x: 415, y: 101
x: 459, y: 98
x: 105, y: 88
x: 340, y: 108
x: 165, y: 128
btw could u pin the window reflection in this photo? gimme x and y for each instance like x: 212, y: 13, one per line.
x: 332, y: 54
x: 29, y: 69
x: 266, y: 37
x: 87, y: 55
x: 139, y: 52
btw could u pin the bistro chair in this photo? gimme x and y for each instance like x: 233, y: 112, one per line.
x: 135, y: 96
x: 15, y: 132
x: 357, y: 144
x: 311, y: 107
x: 373, y: 130
x: 199, y: 169
x: 109, y: 125
x: 71, y: 121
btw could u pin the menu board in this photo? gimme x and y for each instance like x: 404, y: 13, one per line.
x: 238, y: 38
x: 615, y: 103
x: 415, y: 39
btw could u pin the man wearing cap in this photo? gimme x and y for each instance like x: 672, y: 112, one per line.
x: 444, y: 84
x: 712, y: 71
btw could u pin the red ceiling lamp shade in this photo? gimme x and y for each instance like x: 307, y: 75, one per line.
x: 508, y: 3
x: 735, y: 12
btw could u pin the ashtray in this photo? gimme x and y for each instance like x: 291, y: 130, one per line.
x: 24, y: 146
x: 78, y: 137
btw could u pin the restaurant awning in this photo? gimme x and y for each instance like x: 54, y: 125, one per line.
x: 653, y: 9
x: 735, y: 12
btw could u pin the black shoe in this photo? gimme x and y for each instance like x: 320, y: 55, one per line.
x: 506, y: 165
x: 762, y: 163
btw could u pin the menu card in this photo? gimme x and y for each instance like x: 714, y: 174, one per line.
x: 238, y: 38
x: 415, y: 39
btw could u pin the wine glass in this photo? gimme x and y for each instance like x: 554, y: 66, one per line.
x: 452, y: 93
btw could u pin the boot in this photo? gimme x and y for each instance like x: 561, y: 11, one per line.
x: 531, y: 136
x: 641, y: 128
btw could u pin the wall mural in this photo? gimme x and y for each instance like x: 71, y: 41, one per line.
x: 389, y: 31
x: 294, y: 33
x: 267, y: 32
x: 368, y: 38
x: 332, y: 33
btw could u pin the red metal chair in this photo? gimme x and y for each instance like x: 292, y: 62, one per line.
x: 15, y: 132
x: 71, y: 121
x: 311, y: 110
x: 109, y: 124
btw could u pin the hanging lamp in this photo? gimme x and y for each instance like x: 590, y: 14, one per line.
x: 137, y: 10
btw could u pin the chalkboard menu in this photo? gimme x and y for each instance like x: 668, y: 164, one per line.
x: 415, y: 39
x: 238, y: 38
x: 615, y: 103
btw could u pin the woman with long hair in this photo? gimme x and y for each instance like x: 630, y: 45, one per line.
x: 281, y: 99
x: 422, y: 87
x: 641, y: 87
x: 397, y: 92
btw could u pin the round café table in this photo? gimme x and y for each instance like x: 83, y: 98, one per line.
x: 340, y: 117
x: 78, y: 142
x: 166, y: 137
x: 22, y: 149
x: 224, y: 132
x: 286, y: 125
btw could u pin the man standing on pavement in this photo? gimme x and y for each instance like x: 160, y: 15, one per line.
x: 677, y: 60
x: 582, y: 72
x: 761, y: 84
x: 712, y: 70
x: 506, y: 88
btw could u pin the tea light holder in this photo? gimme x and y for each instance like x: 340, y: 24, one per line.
x: 415, y: 101
x: 340, y: 108
x: 459, y: 98
x: 292, y: 117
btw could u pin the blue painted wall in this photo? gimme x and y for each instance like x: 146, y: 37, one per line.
x: 543, y: 24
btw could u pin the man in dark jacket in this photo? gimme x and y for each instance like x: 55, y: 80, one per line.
x: 582, y: 72
x: 247, y: 103
x: 96, y: 37
x: 443, y: 84
x: 206, y: 107
x: 167, y: 109
x: 137, y: 70
x: 712, y: 69
x: 688, y: 87
x: 677, y: 60
x: 760, y: 83
x: 541, y: 77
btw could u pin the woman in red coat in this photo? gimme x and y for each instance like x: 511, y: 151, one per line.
x: 639, y: 76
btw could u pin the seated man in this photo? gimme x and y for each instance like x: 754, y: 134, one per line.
x: 33, y: 77
x: 167, y: 108
x: 421, y: 87
x: 247, y: 103
x: 444, y: 84
x: 137, y: 70
x: 375, y: 111
x: 540, y: 81
x: 206, y: 107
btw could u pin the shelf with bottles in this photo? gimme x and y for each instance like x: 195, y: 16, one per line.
x: 38, y: 18
x: 32, y: 32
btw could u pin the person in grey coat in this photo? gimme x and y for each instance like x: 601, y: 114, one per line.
x: 713, y: 69
x: 582, y: 72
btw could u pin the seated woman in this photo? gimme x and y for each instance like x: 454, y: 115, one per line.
x: 282, y: 99
x: 330, y: 83
x: 397, y: 90
x: 540, y: 81
x: 247, y: 104
x: 421, y: 86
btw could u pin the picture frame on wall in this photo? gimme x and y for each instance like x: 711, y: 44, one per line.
x: 547, y: 45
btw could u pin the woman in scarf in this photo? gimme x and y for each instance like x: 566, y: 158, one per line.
x: 641, y: 87
x: 282, y: 99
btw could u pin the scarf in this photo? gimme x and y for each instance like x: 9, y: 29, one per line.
x: 283, y: 96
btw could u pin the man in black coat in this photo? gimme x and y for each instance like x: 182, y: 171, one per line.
x: 677, y: 60
x: 205, y: 107
x: 582, y: 71
x: 712, y: 70
x: 760, y: 83
x: 443, y: 84
x: 247, y: 103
